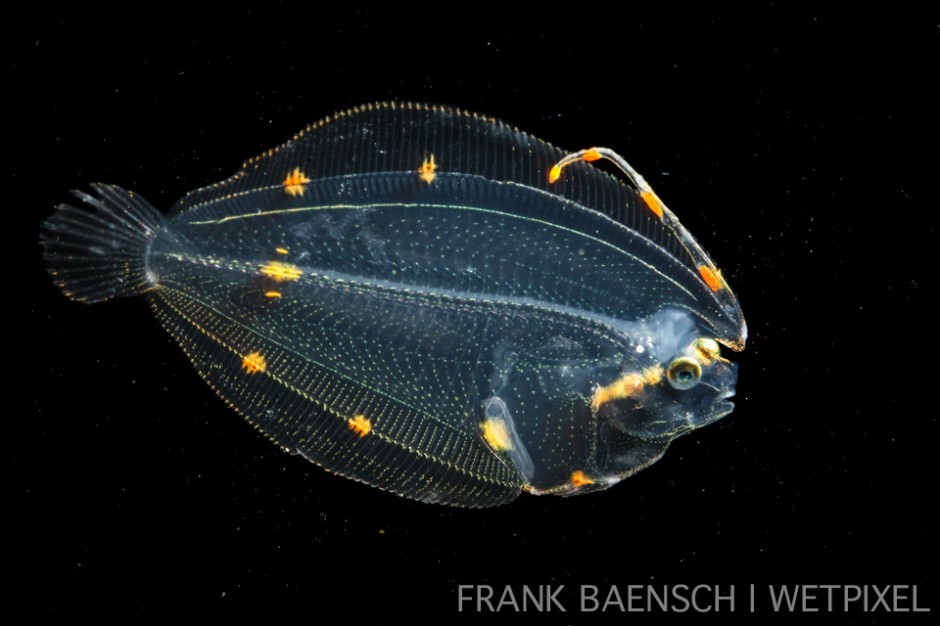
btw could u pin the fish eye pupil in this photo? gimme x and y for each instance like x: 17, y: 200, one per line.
x: 684, y: 373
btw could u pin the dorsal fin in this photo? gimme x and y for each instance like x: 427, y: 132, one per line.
x: 427, y: 139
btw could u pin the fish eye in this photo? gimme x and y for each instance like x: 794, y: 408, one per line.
x: 706, y: 350
x: 684, y: 373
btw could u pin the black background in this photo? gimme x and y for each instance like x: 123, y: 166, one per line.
x: 800, y: 150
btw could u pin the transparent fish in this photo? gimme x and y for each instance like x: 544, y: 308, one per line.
x: 428, y: 301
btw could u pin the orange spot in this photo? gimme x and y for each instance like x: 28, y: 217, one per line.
x: 281, y: 271
x: 360, y: 424
x: 281, y: 251
x: 592, y: 155
x: 427, y: 169
x: 579, y: 479
x: 653, y: 203
x: 626, y: 386
x: 272, y: 294
x: 587, y: 156
x: 652, y: 375
x: 254, y: 363
x: 712, y: 277
x: 295, y: 182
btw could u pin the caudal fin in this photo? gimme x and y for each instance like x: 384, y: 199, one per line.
x: 95, y: 255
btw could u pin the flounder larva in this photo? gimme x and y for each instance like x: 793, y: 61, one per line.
x: 428, y: 301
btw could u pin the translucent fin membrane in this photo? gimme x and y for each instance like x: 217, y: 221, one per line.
x: 708, y: 273
x: 100, y: 254
x: 433, y: 143
x: 339, y: 423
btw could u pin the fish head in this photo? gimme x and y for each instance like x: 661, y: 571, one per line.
x: 681, y: 384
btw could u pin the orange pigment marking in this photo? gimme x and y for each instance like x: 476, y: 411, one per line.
x: 628, y: 385
x: 653, y: 203
x: 281, y: 271
x: 254, y: 363
x: 360, y: 424
x: 427, y: 169
x: 579, y: 479
x: 295, y: 182
x: 711, y: 277
x: 592, y: 155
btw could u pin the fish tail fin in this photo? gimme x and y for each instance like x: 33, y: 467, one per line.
x: 101, y: 254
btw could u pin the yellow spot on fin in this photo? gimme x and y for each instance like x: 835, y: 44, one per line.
x: 295, y: 182
x: 427, y: 169
x: 627, y: 386
x: 254, y: 363
x: 496, y: 434
x: 653, y: 202
x: 281, y: 271
x: 360, y: 424
x: 712, y: 277
x: 580, y: 479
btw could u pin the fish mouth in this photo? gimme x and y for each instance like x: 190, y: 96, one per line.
x: 722, y: 406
